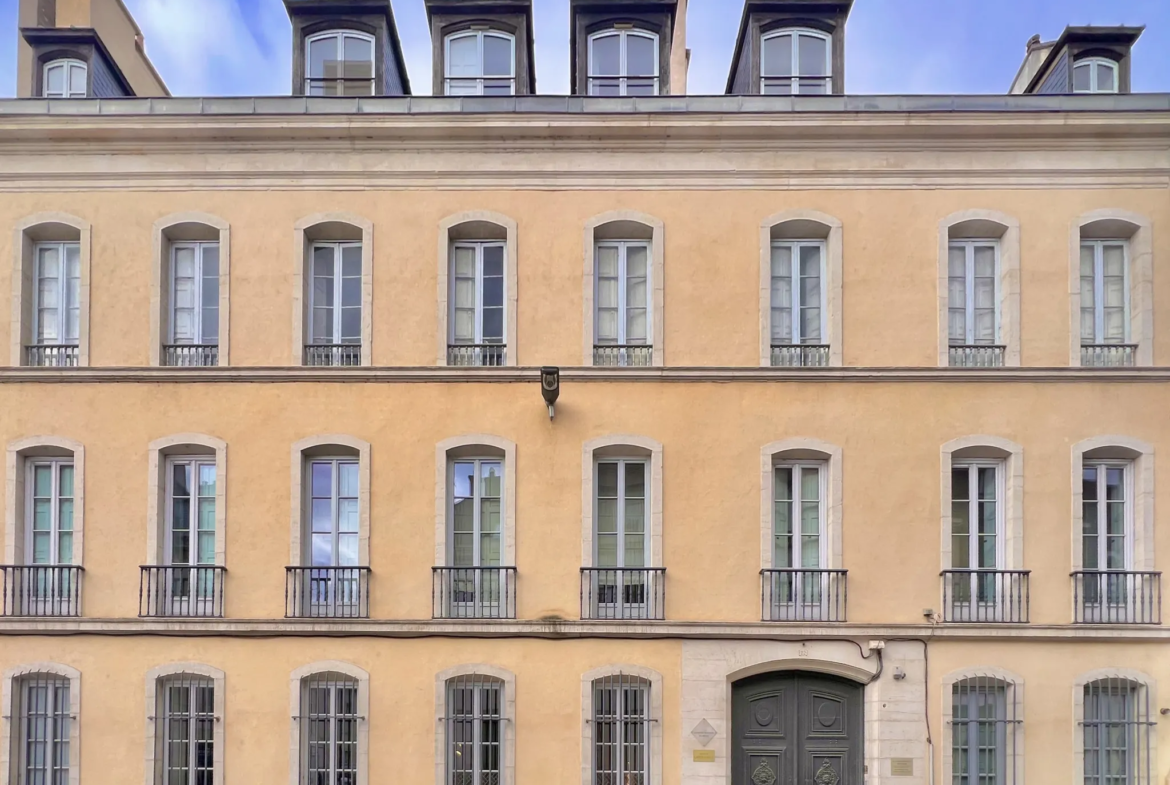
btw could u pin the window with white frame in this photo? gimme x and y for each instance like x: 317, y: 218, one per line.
x: 57, y: 294
x: 190, y: 535
x: 333, y: 513
x: 974, y: 590
x: 476, y: 537
x: 50, y: 511
x: 477, y: 303
x: 1104, y: 292
x: 339, y: 62
x: 623, y: 62
x: 621, y: 730
x: 194, y: 294
x: 798, y: 307
x: 66, y: 79
x: 973, y: 292
x: 796, y: 62
x: 622, y: 514
x: 1095, y: 75
x: 1107, y: 541
x: 474, y: 730
x: 1118, y: 733
x: 480, y: 62
x: 329, y: 730
x: 335, y: 299
x: 623, y: 293
x: 985, y: 722
x: 185, y: 730
x: 42, y: 725
x: 798, y: 533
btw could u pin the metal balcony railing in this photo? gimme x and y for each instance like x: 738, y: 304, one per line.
x: 803, y: 595
x: 986, y: 596
x: 181, y: 591
x: 1108, y: 597
x: 977, y: 356
x: 800, y: 356
x: 483, y: 355
x: 473, y: 593
x: 1108, y: 355
x: 640, y: 356
x: 623, y: 593
x: 189, y: 355
x: 52, y: 356
x: 40, y: 590
x: 333, y: 354
x: 327, y: 593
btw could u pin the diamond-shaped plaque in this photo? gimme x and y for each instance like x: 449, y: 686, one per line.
x: 704, y: 732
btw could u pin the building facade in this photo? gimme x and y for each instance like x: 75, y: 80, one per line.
x: 623, y: 438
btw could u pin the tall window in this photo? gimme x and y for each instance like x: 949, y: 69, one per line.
x: 1118, y: 732
x: 977, y: 545
x: 481, y: 62
x: 335, y: 304
x: 66, y: 79
x: 42, y: 725
x: 50, y: 511
x: 474, y: 730
x: 621, y: 730
x: 798, y: 312
x: 339, y: 62
x: 623, y: 302
x: 1095, y: 75
x: 194, y: 294
x: 476, y: 537
x: 973, y: 292
x: 798, y: 525
x: 185, y: 731
x: 477, y: 304
x: 623, y: 62
x: 329, y: 730
x: 191, y: 530
x: 1107, y: 540
x: 796, y: 62
x: 622, y: 514
x: 335, y: 586
x: 1104, y: 292
x: 984, y: 723
x: 57, y: 294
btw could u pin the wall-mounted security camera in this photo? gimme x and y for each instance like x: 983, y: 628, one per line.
x: 550, y: 388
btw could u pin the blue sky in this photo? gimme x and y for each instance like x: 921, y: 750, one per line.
x: 242, y: 47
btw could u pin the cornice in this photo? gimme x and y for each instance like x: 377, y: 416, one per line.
x: 686, y: 375
x: 564, y: 630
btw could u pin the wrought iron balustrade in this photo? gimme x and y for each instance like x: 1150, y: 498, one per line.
x: 181, y: 591
x: 803, y: 595
x: 977, y: 356
x: 483, y: 355
x: 1115, y: 597
x: 327, y: 593
x: 986, y: 596
x: 474, y: 593
x: 623, y: 593
x: 41, y: 590
x: 1108, y: 355
x: 190, y: 355
x: 52, y: 356
x: 333, y: 354
x: 633, y: 356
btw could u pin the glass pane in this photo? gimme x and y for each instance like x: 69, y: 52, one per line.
x: 1082, y: 76
x: 55, y: 79
x: 777, y: 60
x: 607, y: 483
x: 322, y: 51
x: 497, y: 55
x: 1106, y: 78
x: 348, y: 477
x: 607, y: 261
x: 463, y: 56
x: 351, y: 262
x: 43, y: 481
x: 77, y: 79
x: 640, y: 56
x: 636, y: 480
x: 605, y: 56
x: 323, y: 261
x: 322, y: 479
x: 813, y: 53
x: 359, y: 58
x: 493, y: 261
x: 636, y: 261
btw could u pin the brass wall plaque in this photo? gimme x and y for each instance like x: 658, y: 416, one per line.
x: 704, y: 756
x: 901, y: 767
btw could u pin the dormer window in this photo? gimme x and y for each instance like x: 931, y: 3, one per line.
x: 796, y: 62
x: 480, y: 62
x: 340, y: 62
x: 623, y: 62
x: 1095, y: 75
x: 66, y: 79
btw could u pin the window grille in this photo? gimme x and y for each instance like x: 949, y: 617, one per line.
x: 329, y: 729
x: 621, y: 730
x: 1118, y: 731
x: 184, y: 730
x: 41, y: 726
x: 474, y: 730
x: 985, y: 724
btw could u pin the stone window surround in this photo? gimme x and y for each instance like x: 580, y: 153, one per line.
x: 37, y: 447
x: 655, y: 709
x: 47, y: 227
x: 1142, y: 456
x: 363, y: 712
x: 465, y: 447
x: 1137, y: 229
x: 1012, y: 456
x: 657, y: 272
x: 984, y: 225
x: 1147, y: 688
x: 449, y: 232
x: 1014, y: 686
x: 613, y: 446
x: 11, y: 676
x: 803, y: 449
x: 330, y: 227
x: 331, y: 445
x: 507, y: 717
x: 153, y: 676
x: 183, y: 444
x: 809, y: 225
x: 179, y: 227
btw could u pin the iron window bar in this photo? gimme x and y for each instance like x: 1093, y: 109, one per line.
x: 803, y: 595
x: 481, y: 355
x: 1108, y: 355
x: 327, y: 725
x: 41, y: 590
x: 627, y: 356
x: 181, y: 591
x: 621, y: 729
x: 473, y: 593
x: 474, y: 726
x: 52, y: 356
x: 190, y: 355
x: 41, y: 725
x: 623, y: 593
x: 800, y: 355
x: 333, y: 354
x: 986, y: 719
x: 976, y: 356
x: 1117, y: 597
x: 327, y: 593
x: 986, y: 596
x: 1118, y: 733
x: 184, y: 729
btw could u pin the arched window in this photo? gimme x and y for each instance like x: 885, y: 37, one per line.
x: 1117, y: 729
x: 480, y: 62
x: 52, y: 282
x: 331, y: 728
x: 984, y: 716
x: 66, y: 78
x: 339, y: 62
x: 336, y: 290
x: 621, y: 729
x: 41, y: 711
x: 185, y: 720
x: 796, y: 61
x: 979, y: 286
x: 1095, y: 75
x: 189, y: 291
x: 475, y: 719
x: 623, y: 62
